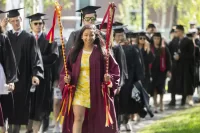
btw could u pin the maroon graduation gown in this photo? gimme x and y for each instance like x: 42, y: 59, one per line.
x: 95, y: 120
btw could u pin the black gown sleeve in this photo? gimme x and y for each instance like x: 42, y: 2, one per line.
x: 36, y: 59
x: 138, y: 65
x: 70, y: 42
x: 188, y: 52
x: 150, y: 57
x: 51, y: 58
x: 9, y: 61
x: 197, y: 42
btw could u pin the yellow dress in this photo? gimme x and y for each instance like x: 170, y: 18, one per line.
x: 82, y: 94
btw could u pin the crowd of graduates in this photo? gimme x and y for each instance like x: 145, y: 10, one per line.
x: 33, y: 77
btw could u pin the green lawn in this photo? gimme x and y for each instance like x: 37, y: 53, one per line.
x: 187, y: 121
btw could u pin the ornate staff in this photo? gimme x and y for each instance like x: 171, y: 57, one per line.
x: 105, y: 86
x: 68, y: 89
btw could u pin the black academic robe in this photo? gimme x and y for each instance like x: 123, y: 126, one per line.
x: 71, y: 40
x: 29, y: 64
x: 158, y: 76
x: 120, y: 58
x: 57, y: 66
x: 182, y: 81
x: 135, y: 73
x: 8, y: 62
x: 148, y: 58
x: 7, y: 58
x: 197, y: 63
x: 173, y: 48
x: 41, y: 99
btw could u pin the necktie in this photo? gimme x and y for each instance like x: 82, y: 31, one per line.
x: 36, y: 36
x: 16, y: 33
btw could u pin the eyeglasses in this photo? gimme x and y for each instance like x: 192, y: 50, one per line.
x: 38, y: 23
x: 142, y: 38
x: 90, y: 19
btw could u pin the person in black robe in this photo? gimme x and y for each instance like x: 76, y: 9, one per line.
x: 192, y: 35
x: 88, y: 16
x: 173, y: 48
x: 182, y: 81
x: 8, y: 63
x: 150, y: 30
x: 41, y: 99
x: 147, y: 56
x: 120, y: 58
x: 160, y: 69
x: 127, y: 105
x: 132, y: 37
x: 30, y: 72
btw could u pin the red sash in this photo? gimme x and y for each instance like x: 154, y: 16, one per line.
x: 162, y: 58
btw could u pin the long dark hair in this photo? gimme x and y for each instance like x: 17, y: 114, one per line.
x: 1, y: 30
x: 79, y: 43
x: 141, y: 34
x: 161, y: 48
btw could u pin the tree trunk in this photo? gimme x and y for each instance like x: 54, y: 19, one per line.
x: 164, y: 15
x: 171, y: 22
x: 175, y: 17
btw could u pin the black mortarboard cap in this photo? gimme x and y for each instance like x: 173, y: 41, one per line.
x: 151, y: 25
x: 87, y: 10
x: 116, y: 23
x: 141, y: 33
x: 131, y: 34
x: 172, y: 30
x: 180, y: 27
x: 1, y: 12
x: 104, y: 26
x: 13, y: 13
x: 189, y: 34
x: 37, y: 16
x: 119, y: 29
x: 157, y: 34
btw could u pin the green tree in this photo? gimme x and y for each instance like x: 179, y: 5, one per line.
x: 3, y: 2
x: 188, y: 10
x: 29, y: 4
x: 127, y: 17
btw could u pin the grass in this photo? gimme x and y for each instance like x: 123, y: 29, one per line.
x: 187, y: 121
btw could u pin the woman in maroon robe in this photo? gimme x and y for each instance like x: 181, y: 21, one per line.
x: 92, y: 119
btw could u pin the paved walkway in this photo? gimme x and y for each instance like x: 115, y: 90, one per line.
x: 147, y: 121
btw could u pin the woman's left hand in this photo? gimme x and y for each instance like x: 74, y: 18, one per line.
x: 107, y: 77
x: 147, y: 46
x: 11, y: 86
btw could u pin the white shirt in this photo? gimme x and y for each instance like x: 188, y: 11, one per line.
x: 39, y: 34
x: 19, y: 32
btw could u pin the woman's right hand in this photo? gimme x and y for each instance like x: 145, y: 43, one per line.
x: 67, y: 79
x: 147, y: 46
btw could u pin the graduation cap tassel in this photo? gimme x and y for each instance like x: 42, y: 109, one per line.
x: 68, y: 91
x: 105, y: 85
x: 81, y: 18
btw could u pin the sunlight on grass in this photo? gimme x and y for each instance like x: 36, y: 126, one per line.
x: 187, y: 121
